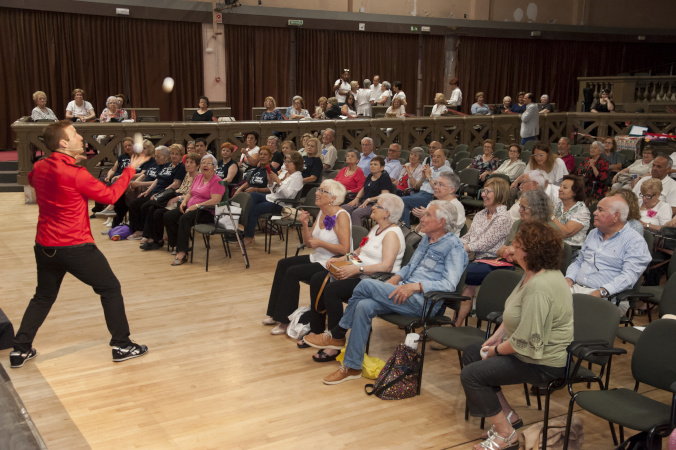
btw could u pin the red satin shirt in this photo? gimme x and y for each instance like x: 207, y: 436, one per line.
x: 63, y: 189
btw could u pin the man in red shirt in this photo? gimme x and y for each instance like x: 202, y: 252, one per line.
x: 64, y: 242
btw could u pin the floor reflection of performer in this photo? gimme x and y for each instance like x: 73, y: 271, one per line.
x: 64, y: 242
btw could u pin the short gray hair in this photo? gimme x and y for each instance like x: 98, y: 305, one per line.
x: 598, y: 144
x: 109, y: 99
x: 387, y: 85
x: 540, y: 205
x: 565, y: 139
x: 368, y: 139
x: 447, y: 212
x: 394, y: 205
x: 453, y: 180
x: 164, y: 150
x: 274, y: 138
x: 545, y: 96
x: 367, y: 83
x: 670, y: 162
x: 353, y: 151
x: 618, y: 204
x: 333, y: 133
x: 420, y: 152
x: 211, y: 157
x: 336, y: 190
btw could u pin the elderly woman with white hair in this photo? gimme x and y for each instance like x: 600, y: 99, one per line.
x: 413, y: 172
x: 330, y: 235
x: 206, y: 190
x: 297, y: 110
x: 112, y: 112
x: 286, y: 185
x: 381, y: 251
x: 544, y: 106
x: 385, y: 98
x: 41, y: 112
x: 594, y: 170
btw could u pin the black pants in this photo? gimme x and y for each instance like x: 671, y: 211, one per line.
x: 87, y: 264
x: 286, y: 285
x: 482, y: 379
x: 154, y: 226
x: 178, y: 226
x: 336, y: 292
x: 138, y: 211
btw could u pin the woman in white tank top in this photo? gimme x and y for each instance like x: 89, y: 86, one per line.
x: 330, y: 235
x: 381, y: 251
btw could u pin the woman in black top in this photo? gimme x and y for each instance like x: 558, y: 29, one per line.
x: 227, y: 168
x: 203, y: 114
x: 257, y: 178
x: 313, y: 163
x: 378, y: 182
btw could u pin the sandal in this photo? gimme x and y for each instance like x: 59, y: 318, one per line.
x: 516, y: 425
x: 495, y: 440
x: 302, y: 344
x: 178, y: 262
x: 324, y: 357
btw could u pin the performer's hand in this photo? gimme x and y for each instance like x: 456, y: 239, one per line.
x: 138, y: 159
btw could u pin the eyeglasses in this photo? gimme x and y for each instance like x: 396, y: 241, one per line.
x: 646, y: 196
x: 523, y: 208
x: 322, y: 191
x: 377, y: 206
x: 287, y: 161
x: 539, y: 155
x: 441, y: 185
x: 205, y: 163
x: 487, y: 192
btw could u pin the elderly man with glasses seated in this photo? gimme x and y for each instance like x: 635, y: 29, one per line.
x: 535, y: 180
x: 426, y: 185
x: 612, y: 257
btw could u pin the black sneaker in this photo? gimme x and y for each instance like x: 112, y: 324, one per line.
x: 17, y: 359
x: 131, y: 351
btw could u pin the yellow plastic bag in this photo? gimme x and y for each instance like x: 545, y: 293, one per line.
x: 371, y: 367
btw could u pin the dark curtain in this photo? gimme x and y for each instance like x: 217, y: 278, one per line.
x: 500, y: 67
x: 433, y: 61
x: 257, y: 66
x: 58, y: 52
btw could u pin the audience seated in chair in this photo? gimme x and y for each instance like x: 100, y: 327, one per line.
x: 485, y: 237
x: 286, y: 185
x: 512, y: 167
x: 571, y: 215
x: 378, y: 182
x: 544, y: 159
x: 330, y: 235
x: 382, y: 251
x: 170, y: 174
x: 205, y: 191
x: 530, y: 345
x: 628, y: 177
x: 256, y: 178
x: 392, y: 163
x: 351, y: 176
x: 426, y: 186
x: 436, y: 265
x: 445, y: 189
x: 411, y: 173
x: 534, y: 180
x: 329, y: 152
x: 612, y: 257
x: 660, y: 170
x: 312, y: 172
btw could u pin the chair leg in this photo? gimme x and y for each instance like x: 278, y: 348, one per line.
x: 612, y: 432
x: 482, y: 425
x: 225, y: 249
x: 286, y: 244
x: 569, y: 418
x: 545, y: 425
x: 368, y: 342
x: 207, y: 242
x: 621, y: 434
x: 525, y: 391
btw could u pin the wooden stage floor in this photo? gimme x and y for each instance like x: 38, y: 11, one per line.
x: 214, y: 376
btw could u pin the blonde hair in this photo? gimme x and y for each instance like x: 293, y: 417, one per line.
x: 178, y: 147
x: 272, y: 99
x: 441, y: 96
x: 652, y: 184
x: 36, y: 94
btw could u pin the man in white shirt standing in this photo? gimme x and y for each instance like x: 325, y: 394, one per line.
x: 342, y: 86
x: 456, y: 95
x: 363, y: 99
x: 376, y: 88
x: 530, y: 120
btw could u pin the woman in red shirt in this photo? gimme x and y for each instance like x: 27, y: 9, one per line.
x: 351, y: 176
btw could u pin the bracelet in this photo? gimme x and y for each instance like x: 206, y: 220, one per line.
x: 495, y: 349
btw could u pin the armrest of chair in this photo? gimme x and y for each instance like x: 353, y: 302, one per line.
x: 596, y: 347
x: 451, y: 299
x: 494, y: 318
x: 631, y: 294
x: 381, y: 276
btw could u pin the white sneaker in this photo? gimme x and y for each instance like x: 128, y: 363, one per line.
x: 269, y: 321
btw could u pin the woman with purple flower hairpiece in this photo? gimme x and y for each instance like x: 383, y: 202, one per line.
x: 329, y: 236
x: 381, y: 251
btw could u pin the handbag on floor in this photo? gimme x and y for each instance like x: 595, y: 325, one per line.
x: 228, y: 216
x: 399, y: 378
x: 119, y: 233
x: 531, y: 437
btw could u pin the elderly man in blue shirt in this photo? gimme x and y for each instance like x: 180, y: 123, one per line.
x: 367, y: 154
x: 436, y: 265
x: 426, y: 185
x: 612, y: 257
x: 392, y: 163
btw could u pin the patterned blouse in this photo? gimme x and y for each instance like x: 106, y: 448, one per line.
x: 482, y: 166
x: 595, y: 186
x: 486, y: 237
x: 106, y: 115
x: 274, y: 115
x: 578, y: 213
x: 38, y: 114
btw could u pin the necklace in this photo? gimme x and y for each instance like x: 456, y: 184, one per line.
x: 381, y: 230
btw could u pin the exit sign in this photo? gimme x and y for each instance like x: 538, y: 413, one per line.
x: 414, y: 28
x: 296, y: 23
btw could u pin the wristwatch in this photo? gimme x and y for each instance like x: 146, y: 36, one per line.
x: 361, y: 269
x: 604, y: 292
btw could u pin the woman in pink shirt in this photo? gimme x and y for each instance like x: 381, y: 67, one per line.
x: 351, y: 176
